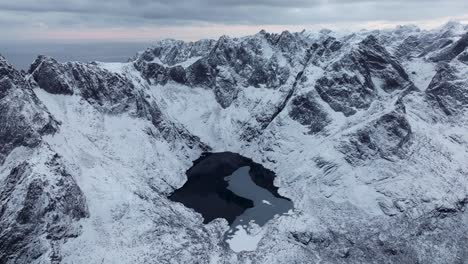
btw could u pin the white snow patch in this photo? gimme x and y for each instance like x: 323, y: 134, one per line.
x: 188, y: 62
x: 158, y: 61
x: 116, y: 67
x: 245, y: 239
x: 420, y: 72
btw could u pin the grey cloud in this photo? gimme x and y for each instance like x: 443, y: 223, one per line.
x: 131, y: 13
x: 245, y: 11
x: 296, y: 11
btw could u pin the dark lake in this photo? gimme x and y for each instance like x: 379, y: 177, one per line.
x: 228, y: 185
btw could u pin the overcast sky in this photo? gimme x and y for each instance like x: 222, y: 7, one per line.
x: 146, y: 20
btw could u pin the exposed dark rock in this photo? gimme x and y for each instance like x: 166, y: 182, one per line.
x: 290, y: 44
x: 227, y: 66
x: 99, y: 87
x: 453, y: 50
x: 156, y: 73
x: 409, y: 48
x: 265, y: 120
x: 321, y: 51
x: 23, y: 120
x: 344, y: 93
x: 152, y: 71
x: 113, y: 93
x: 348, y: 93
x: 386, y: 138
x: 202, y: 73
x: 463, y: 57
x: 177, y: 74
x: 434, y: 45
x: 171, y: 52
x: 45, y: 212
x: 170, y: 131
x: 48, y: 74
x: 102, y: 87
x: 270, y: 75
x: 308, y: 112
x: 399, y: 239
x: 381, y: 64
x: 448, y: 91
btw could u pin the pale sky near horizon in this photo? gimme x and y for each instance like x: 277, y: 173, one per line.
x: 114, y: 30
x: 149, y: 20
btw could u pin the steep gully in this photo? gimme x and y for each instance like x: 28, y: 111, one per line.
x: 289, y: 95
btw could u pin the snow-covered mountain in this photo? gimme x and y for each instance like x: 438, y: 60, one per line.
x: 367, y: 133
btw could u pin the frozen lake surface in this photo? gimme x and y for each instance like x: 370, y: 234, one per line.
x: 228, y: 185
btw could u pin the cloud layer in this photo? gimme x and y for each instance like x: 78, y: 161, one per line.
x: 23, y: 19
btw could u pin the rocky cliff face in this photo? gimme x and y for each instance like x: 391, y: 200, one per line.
x: 40, y: 200
x: 367, y: 133
x: 24, y: 119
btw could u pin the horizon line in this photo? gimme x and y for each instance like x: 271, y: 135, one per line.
x: 211, y: 31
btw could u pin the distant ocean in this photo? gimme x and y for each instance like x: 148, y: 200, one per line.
x: 22, y: 54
